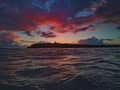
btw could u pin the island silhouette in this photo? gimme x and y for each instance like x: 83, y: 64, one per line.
x: 65, y: 45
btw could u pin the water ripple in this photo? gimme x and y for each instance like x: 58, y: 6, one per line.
x: 60, y: 69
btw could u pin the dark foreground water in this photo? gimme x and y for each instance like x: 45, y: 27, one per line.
x: 60, y: 69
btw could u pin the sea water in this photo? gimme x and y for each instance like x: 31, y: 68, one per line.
x: 60, y: 69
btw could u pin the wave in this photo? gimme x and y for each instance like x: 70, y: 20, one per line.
x: 60, y: 69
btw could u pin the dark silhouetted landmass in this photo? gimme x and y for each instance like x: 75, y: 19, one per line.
x: 66, y: 45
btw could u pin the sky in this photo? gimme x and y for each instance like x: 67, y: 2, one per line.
x: 24, y: 22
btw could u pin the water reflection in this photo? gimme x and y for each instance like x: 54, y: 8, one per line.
x: 60, y: 69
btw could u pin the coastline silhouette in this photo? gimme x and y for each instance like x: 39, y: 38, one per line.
x: 66, y: 45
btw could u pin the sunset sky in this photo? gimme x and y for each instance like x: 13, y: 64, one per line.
x: 24, y: 22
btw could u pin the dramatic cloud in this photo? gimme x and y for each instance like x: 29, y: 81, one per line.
x: 62, y: 16
x: 47, y: 34
x: 27, y: 16
x: 91, y: 41
x: 110, y: 14
x: 8, y: 36
x: 8, y: 39
x: 91, y: 9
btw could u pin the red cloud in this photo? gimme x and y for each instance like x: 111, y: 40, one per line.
x: 55, y: 20
x: 10, y: 36
x: 29, y: 20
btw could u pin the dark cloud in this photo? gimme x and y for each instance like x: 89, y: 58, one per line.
x: 91, y: 41
x: 26, y: 16
x: 8, y: 39
x: 110, y: 13
x: 90, y: 27
x: 61, y: 16
x: 32, y: 42
x: 46, y: 34
x: 8, y: 36
x: 118, y: 27
x: 84, y: 28
x: 107, y: 39
x: 28, y: 33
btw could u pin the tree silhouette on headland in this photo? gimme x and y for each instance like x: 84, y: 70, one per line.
x: 65, y: 45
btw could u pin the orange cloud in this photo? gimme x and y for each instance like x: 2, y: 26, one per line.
x: 8, y: 36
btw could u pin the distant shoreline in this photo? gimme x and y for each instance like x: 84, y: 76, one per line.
x: 57, y: 45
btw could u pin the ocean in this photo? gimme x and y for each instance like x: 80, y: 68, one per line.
x: 60, y: 69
